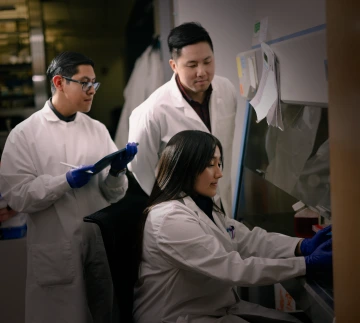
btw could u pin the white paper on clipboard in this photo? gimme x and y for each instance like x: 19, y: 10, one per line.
x: 267, y: 95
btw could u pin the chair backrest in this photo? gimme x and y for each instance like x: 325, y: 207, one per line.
x: 118, y: 224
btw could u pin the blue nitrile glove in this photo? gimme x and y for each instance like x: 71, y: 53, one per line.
x: 320, y: 259
x: 308, y: 246
x: 78, y: 177
x: 123, y: 159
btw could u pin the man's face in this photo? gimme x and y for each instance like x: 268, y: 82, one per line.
x: 77, y: 99
x: 195, y: 67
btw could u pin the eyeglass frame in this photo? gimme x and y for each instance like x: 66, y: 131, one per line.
x: 96, y: 85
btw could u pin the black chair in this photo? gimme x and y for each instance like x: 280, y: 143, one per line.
x: 118, y: 223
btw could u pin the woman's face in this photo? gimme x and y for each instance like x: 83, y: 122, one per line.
x: 206, y: 183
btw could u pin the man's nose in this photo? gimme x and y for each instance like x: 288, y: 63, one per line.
x: 201, y: 71
x: 91, y: 90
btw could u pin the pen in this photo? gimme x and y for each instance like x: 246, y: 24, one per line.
x: 231, y: 231
x: 72, y: 166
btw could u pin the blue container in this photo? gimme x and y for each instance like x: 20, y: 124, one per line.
x: 13, y: 228
x: 13, y: 232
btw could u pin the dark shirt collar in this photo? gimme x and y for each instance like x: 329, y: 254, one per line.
x: 188, y: 98
x: 59, y: 115
x: 206, y: 205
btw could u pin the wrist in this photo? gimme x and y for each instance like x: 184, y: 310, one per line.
x: 298, y: 252
x: 69, y: 179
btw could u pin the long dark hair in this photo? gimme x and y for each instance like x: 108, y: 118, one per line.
x: 186, y: 156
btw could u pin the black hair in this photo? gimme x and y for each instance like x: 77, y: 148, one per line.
x: 66, y: 64
x: 188, y: 33
x: 186, y: 156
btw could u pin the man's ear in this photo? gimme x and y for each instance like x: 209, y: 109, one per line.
x: 57, y: 81
x: 172, y: 64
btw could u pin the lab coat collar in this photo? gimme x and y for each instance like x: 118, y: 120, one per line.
x: 180, y: 103
x: 49, y: 114
x: 189, y: 202
x: 178, y: 99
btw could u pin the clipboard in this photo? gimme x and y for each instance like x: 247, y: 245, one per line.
x: 103, y: 162
x: 107, y: 160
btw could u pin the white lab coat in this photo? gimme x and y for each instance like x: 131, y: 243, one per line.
x: 147, y: 76
x: 190, y: 266
x: 60, y: 245
x: 165, y: 113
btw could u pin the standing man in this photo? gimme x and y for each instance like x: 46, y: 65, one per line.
x: 194, y: 99
x: 68, y: 278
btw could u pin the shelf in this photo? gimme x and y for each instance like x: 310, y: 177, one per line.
x: 15, y: 33
x: 12, y: 19
x: 16, y: 97
x: 22, y: 36
x: 12, y: 67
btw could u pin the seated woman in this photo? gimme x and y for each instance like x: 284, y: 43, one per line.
x: 192, y: 256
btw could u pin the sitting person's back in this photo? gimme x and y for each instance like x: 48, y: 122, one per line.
x: 192, y: 255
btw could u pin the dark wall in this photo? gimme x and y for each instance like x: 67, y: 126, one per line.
x: 139, y: 32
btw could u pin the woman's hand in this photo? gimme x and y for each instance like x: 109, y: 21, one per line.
x: 320, y: 259
x: 308, y: 246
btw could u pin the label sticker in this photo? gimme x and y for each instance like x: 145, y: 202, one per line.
x: 238, y: 63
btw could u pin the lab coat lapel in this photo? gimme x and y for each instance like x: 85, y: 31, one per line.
x: 216, y: 107
x: 180, y: 103
x: 189, y: 112
x: 189, y: 202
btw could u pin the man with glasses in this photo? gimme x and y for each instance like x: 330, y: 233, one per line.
x: 68, y: 278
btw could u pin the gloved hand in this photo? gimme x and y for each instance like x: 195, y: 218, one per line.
x: 308, y: 246
x: 320, y: 259
x: 78, y: 177
x: 124, y: 158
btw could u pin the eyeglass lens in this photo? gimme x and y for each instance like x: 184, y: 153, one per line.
x: 86, y: 86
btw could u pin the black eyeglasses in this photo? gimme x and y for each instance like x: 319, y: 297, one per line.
x: 86, y: 86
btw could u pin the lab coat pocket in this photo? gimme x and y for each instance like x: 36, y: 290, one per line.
x: 52, y: 263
